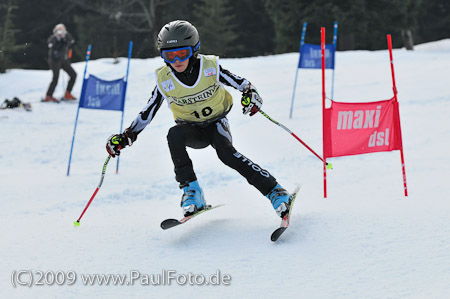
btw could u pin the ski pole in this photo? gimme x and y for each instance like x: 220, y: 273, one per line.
x: 329, y: 165
x: 77, y: 222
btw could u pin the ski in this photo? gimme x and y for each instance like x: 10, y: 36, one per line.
x: 27, y: 106
x: 169, y: 223
x: 285, y: 221
x: 68, y: 100
x: 60, y: 100
x: 44, y: 101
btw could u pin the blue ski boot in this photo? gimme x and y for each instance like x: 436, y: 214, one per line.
x: 192, y: 200
x: 280, y: 200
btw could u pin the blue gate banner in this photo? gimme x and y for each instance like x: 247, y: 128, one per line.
x: 103, y: 94
x: 311, y: 56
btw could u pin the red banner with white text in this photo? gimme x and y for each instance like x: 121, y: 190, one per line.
x: 361, y: 128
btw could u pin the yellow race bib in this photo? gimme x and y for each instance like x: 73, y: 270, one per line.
x: 206, y: 99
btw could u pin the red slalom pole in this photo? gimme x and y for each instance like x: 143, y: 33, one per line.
x: 394, y: 87
x: 322, y: 45
x: 77, y: 222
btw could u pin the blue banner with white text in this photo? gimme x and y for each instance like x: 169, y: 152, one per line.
x: 311, y: 56
x: 103, y: 94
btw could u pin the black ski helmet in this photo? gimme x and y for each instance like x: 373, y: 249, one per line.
x: 177, y: 34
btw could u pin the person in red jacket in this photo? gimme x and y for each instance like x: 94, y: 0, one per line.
x: 59, y: 54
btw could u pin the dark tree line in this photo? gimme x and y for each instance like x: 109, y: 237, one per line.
x: 227, y: 28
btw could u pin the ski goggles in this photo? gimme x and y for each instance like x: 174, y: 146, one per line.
x: 180, y: 54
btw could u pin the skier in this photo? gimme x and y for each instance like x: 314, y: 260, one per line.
x: 59, y: 54
x: 192, y: 84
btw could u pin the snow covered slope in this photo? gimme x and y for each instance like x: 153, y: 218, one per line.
x: 365, y: 241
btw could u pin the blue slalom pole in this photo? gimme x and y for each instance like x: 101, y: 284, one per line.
x: 130, y: 48
x: 88, y: 55
x: 334, y: 56
x: 302, y: 41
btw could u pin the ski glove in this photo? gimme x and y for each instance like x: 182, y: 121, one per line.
x: 251, y: 101
x: 117, y: 142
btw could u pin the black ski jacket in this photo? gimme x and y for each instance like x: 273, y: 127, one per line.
x: 58, y: 48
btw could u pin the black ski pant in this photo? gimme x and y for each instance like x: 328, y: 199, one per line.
x: 218, y: 136
x: 55, y: 66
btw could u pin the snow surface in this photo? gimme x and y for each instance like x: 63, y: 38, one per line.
x: 365, y: 241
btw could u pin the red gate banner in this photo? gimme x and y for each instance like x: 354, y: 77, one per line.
x: 361, y: 128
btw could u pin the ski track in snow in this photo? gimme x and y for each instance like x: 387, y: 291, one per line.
x: 365, y: 241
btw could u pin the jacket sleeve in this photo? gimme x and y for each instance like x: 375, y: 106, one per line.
x: 70, y: 39
x: 230, y: 79
x: 145, y: 116
x: 51, y: 41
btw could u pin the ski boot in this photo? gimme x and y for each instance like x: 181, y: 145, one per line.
x: 280, y: 199
x: 68, y: 96
x: 50, y: 99
x: 192, y: 200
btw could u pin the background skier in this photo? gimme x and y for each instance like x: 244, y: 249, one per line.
x: 59, y: 54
